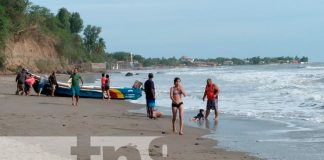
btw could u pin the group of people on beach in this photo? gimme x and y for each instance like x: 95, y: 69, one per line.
x: 176, y: 92
x: 25, y: 82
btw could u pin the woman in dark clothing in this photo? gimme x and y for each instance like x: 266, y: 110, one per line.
x: 53, y: 82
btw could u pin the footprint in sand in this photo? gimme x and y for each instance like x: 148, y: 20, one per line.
x: 199, y: 139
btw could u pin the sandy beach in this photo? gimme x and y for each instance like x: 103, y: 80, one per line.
x: 43, y: 116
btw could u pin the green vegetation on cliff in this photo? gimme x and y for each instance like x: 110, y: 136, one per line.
x: 17, y: 16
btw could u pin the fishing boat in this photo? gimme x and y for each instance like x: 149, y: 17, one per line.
x: 115, y: 93
x: 122, y: 93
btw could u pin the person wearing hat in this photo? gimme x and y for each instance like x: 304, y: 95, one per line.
x: 150, y: 95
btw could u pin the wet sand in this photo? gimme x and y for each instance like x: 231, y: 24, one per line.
x: 55, y: 116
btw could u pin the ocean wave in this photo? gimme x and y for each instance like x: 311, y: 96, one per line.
x: 321, y: 80
x: 308, y: 140
x: 276, y: 92
x: 314, y: 67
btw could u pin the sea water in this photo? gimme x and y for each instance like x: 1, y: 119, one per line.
x: 272, y: 111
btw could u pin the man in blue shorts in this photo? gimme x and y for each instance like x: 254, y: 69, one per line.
x: 75, y: 87
x: 150, y: 95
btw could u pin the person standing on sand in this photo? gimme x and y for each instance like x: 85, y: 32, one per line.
x: 211, y: 91
x: 29, y: 82
x: 103, y: 85
x: 41, y: 83
x: 177, y: 104
x: 20, y: 79
x: 107, y: 86
x: 75, y: 87
x: 150, y: 95
x: 53, y: 83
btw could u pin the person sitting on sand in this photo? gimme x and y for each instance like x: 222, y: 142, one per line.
x: 103, y: 85
x: 157, y: 114
x: 175, y: 95
x: 199, y: 116
x: 107, y: 86
x: 53, y: 83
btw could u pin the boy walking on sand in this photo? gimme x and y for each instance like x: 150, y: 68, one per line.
x: 211, y: 91
x: 75, y: 87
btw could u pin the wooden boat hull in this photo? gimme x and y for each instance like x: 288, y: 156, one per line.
x: 115, y: 93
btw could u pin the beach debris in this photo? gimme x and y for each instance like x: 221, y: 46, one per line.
x: 196, y: 144
x: 129, y: 74
x: 163, y: 132
x: 63, y: 125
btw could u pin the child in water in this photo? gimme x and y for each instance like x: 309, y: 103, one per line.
x: 199, y: 116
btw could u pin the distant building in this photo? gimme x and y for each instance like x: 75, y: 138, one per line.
x: 92, y: 67
x: 303, y: 62
x: 204, y: 64
x: 228, y: 63
x: 247, y: 62
x: 295, y: 62
x: 187, y: 59
x: 98, y: 67
x: 126, y: 65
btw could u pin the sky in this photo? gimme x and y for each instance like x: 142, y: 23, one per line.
x: 205, y: 28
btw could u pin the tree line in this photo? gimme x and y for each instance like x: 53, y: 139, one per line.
x: 112, y: 58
